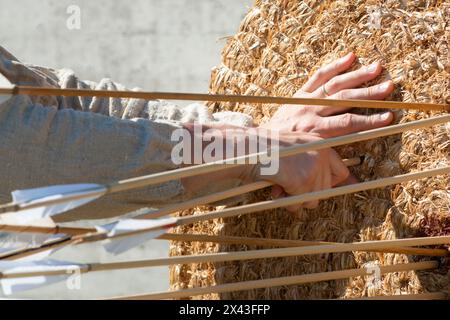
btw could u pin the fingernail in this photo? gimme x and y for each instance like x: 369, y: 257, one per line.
x: 276, y: 193
x: 373, y: 67
x: 344, y: 58
x: 385, y: 116
x: 384, y: 86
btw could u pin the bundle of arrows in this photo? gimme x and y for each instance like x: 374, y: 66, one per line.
x: 31, y: 211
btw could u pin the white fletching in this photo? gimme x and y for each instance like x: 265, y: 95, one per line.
x: 4, y: 83
x: 16, y: 285
x: 123, y: 244
x: 29, y: 197
x: 10, y: 242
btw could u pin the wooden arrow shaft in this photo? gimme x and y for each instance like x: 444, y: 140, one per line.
x: 293, y: 200
x: 262, y: 242
x: 419, y: 296
x: 283, y: 281
x: 275, y: 253
x: 37, y: 91
x: 44, y: 230
x: 273, y: 204
x: 312, y: 196
x: 246, y: 255
x: 284, y: 243
x: 143, y: 181
x: 162, y: 177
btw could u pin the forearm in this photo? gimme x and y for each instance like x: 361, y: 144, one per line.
x: 207, y: 143
x: 45, y: 142
x: 42, y: 146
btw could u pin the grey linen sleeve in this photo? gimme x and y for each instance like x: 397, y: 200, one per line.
x: 57, y: 140
x: 43, y: 146
x: 54, y: 140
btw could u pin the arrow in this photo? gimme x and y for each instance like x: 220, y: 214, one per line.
x: 33, y: 203
x: 418, y: 296
x: 80, y: 192
x: 35, y: 269
x: 25, y: 237
x: 18, y: 271
x: 312, y: 196
x: 164, y: 224
x: 284, y: 243
x: 118, y: 247
x: 26, y: 275
x: 261, y: 242
x: 117, y: 233
x: 281, y: 281
x: 122, y: 235
x: 377, y: 245
x: 307, y: 197
x: 7, y: 90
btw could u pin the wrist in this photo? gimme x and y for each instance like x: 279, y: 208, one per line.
x: 233, y: 142
x: 249, y: 173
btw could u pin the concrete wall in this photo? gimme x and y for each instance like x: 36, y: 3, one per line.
x: 167, y: 45
x: 155, y: 44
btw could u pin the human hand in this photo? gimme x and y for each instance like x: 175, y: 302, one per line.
x: 302, y: 173
x: 332, y: 82
x: 293, y: 175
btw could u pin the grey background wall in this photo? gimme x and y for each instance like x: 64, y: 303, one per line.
x: 155, y: 44
x: 167, y: 45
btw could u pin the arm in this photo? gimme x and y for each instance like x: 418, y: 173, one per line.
x: 57, y: 140
x: 42, y: 146
x: 299, y: 124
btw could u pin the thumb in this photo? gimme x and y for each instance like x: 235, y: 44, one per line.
x: 339, y: 170
x: 277, y: 192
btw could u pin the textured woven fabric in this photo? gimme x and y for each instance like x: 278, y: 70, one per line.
x: 59, y: 140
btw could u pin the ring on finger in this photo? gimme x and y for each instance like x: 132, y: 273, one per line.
x: 325, y: 91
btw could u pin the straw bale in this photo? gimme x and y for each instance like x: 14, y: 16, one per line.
x: 279, y: 44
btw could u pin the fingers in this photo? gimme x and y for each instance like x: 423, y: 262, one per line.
x: 325, y: 170
x: 331, y: 175
x: 350, y: 123
x: 277, y: 192
x: 352, y: 79
x: 318, y: 184
x: 322, y: 182
x: 378, y: 92
x: 339, y: 171
x: 324, y: 74
x: 350, y: 180
x: 344, y: 81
